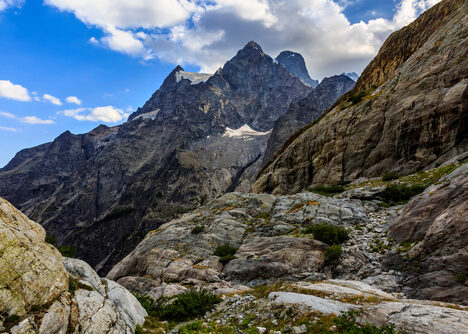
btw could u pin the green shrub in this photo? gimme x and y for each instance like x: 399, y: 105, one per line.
x: 328, y: 190
x: 139, y: 330
x: 50, y: 239
x: 390, y: 176
x: 332, y: 254
x: 198, y: 229
x: 355, y: 99
x: 226, y: 253
x: 72, y: 284
x: 329, y: 234
x: 183, y: 307
x: 67, y: 250
x: 400, y: 193
x: 12, y: 319
x: 346, y: 324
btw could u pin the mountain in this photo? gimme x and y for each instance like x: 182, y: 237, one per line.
x: 407, y: 111
x: 305, y: 111
x: 294, y: 63
x: 197, y: 137
x: 352, y: 75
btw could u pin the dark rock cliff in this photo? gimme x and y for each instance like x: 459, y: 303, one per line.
x: 294, y: 63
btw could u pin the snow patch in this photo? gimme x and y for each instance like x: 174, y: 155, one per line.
x: 195, y: 78
x: 149, y: 115
x: 243, y: 131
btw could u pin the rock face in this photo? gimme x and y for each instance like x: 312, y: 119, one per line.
x: 294, y: 63
x: 305, y: 111
x: 197, y: 137
x: 31, y: 271
x: 263, y: 228
x: 437, y: 222
x: 35, y: 287
x: 415, y: 117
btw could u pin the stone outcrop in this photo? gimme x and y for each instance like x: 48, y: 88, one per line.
x: 407, y: 111
x: 104, y: 190
x: 436, y: 222
x: 41, y: 292
x: 305, y: 111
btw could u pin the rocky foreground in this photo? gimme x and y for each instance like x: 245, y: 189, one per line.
x: 272, y: 249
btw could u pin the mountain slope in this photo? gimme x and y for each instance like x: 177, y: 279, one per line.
x: 294, y: 63
x: 305, y: 111
x: 416, y: 117
x: 103, y: 190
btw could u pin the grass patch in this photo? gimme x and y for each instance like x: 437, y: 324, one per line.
x: 226, y: 253
x: 198, y: 229
x: 328, y: 190
x: 183, y: 307
x: 460, y: 278
x: 390, y: 176
x: 51, y: 239
x: 329, y: 234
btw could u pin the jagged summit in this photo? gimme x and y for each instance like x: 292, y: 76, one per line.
x: 294, y: 63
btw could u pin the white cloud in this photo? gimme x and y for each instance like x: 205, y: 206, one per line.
x: 208, y: 32
x: 14, y: 92
x: 35, y: 120
x: 5, y: 128
x: 4, y: 4
x: 73, y: 99
x: 52, y: 99
x: 27, y: 119
x: 107, y: 114
x: 7, y: 115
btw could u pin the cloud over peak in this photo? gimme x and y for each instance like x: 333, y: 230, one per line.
x: 106, y: 114
x: 207, y: 32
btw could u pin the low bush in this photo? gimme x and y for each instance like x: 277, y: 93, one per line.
x: 67, y: 250
x: 329, y: 234
x: 390, y: 176
x: 198, y: 229
x: 332, y: 254
x: 355, y: 99
x: 51, y: 239
x: 328, y: 190
x: 400, y: 193
x: 183, y: 307
x: 226, y: 253
x: 346, y: 323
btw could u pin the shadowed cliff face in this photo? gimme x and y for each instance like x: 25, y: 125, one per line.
x: 417, y: 116
x: 305, y: 111
x: 103, y: 190
x: 295, y: 64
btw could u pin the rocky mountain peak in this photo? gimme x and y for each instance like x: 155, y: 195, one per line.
x: 294, y: 63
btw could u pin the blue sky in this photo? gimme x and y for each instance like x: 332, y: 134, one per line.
x: 59, y: 49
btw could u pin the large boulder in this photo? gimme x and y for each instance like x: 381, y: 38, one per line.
x: 437, y: 223
x: 41, y: 292
x: 31, y: 271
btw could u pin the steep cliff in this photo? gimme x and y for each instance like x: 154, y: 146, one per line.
x: 305, y: 111
x: 409, y: 109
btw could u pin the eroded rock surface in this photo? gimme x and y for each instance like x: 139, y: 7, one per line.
x: 41, y: 292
